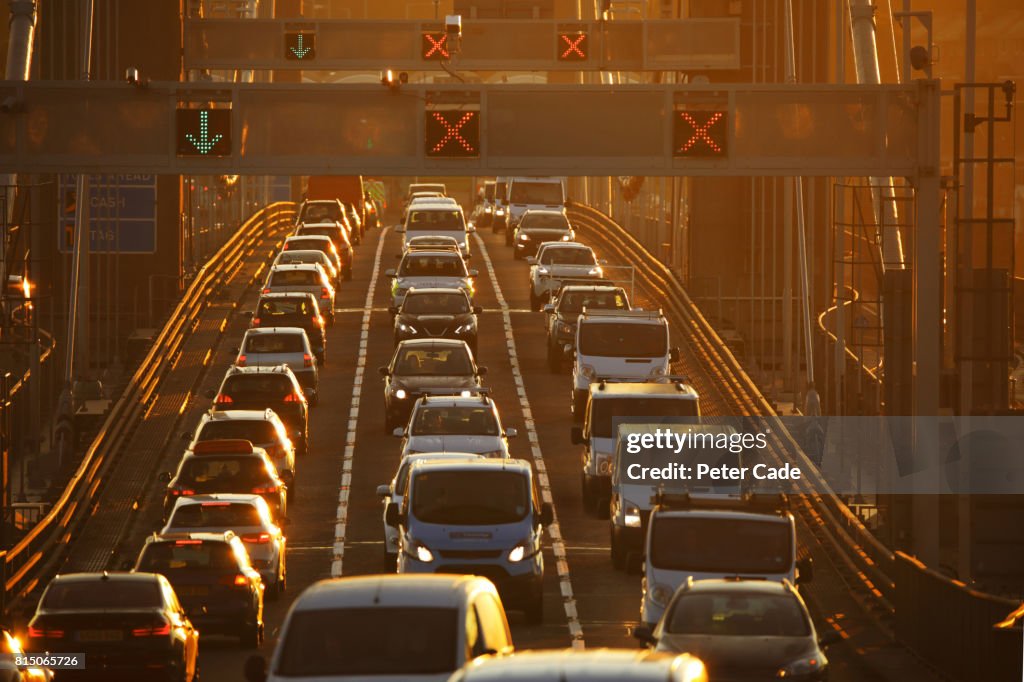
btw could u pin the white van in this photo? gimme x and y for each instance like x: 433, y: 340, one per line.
x: 525, y: 193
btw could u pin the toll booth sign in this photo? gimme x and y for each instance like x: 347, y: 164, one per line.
x: 573, y: 46
x: 700, y: 133
x: 203, y: 132
x: 453, y: 133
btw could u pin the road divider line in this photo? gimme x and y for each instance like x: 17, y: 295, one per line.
x: 554, y: 530
x: 341, y: 520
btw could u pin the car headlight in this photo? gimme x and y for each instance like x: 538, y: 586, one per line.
x: 524, y: 237
x: 421, y: 552
x: 402, y: 327
x: 596, y: 272
x: 604, y: 464
x: 587, y: 371
x: 487, y: 209
x: 631, y: 514
x: 542, y: 271
x: 464, y: 328
x: 401, y: 394
x: 803, y: 666
x: 566, y: 238
x: 520, y: 551
x: 660, y: 594
x: 658, y: 371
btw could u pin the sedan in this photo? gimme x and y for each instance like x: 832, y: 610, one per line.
x: 430, y: 269
x: 538, y: 226
x: 437, y: 313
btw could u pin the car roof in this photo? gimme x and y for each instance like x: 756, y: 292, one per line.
x: 545, y: 211
x: 740, y: 586
x: 599, y: 288
x: 291, y: 294
x: 435, y: 290
x: 592, y: 665
x: 322, y: 223
x: 612, y: 389
x: 206, y: 536
x: 389, y: 591
x: 293, y: 252
x: 478, y: 399
x: 259, y: 331
x: 487, y: 463
x: 431, y: 343
x: 233, y: 498
x: 454, y: 456
x: 299, y: 266
x: 134, y: 576
x: 239, y: 415
x: 235, y: 370
x: 432, y: 252
x: 320, y: 201
x: 296, y: 237
x: 565, y: 245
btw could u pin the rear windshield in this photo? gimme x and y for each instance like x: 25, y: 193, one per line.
x: 331, y: 232
x: 435, y: 304
x: 274, y: 343
x: 207, y: 469
x: 573, y: 302
x: 271, y: 387
x: 544, y: 221
x: 307, y: 256
x: 103, y: 594
x: 369, y: 641
x: 467, y: 497
x: 738, y: 615
x: 285, y: 278
x: 455, y: 421
x: 721, y: 546
x: 252, y: 430
x: 158, y: 557
x: 447, y: 362
x: 603, y: 411
x: 309, y: 244
x: 547, y: 193
x: 415, y: 265
x: 312, y: 213
x: 613, y: 340
x: 280, y: 307
x: 571, y: 256
x: 444, y: 220
x: 216, y: 515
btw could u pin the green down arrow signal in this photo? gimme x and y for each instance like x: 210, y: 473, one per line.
x: 204, y: 142
x: 300, y: 51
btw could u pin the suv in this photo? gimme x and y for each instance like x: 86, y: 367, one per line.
x: 455, y: 423
x: 698, y: 538
x: 437, y: 313
x: 276, y: 392
x: 538, y: 226
x: 607, y: 401
x: 294, y: 309
x: 319, y: 210
x: 438, y: 219
x: 430, y: 269
x: 628, y: 345
x: 260, y: 427
x: 532, y: 193
x: 565, y: 309
x: 214, y: 580
x: 558, y: 261
x: 303, y: 278
x: 282, y: 346
x: 483, y: 518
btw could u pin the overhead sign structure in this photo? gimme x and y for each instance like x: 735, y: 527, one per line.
x: 203, y: 132
x: 434, y: 46
x: 573, y: 46
x: 122, y: 213
x: 452, y: 133
x: 300, y: 45
x: 701, y: 133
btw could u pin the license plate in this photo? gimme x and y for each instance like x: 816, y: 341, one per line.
x: 100, y: 636
x: 193, y: 591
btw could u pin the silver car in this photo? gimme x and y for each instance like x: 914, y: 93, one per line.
x: 455, y: 424
x: 307, y: 278
x: 556, y: 261
x: 272, y: 346
x: 430, y: 269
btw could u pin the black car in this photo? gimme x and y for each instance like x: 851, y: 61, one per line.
x: 565, y: 309
x: 294, y: 309
x: 214, y: 580
x: 742, y: 629
x: 437, y: 313
x: 338, y: 236
x: 260, y: 388
x: 539, y: 226
x: 318, y: 210
x: 426, y: 366
x: 128, y: 625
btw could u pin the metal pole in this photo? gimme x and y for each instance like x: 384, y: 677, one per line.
x: 21, y: 35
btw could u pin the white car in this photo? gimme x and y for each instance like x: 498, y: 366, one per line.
x: 392, y: 493
x: 249, y: 517
x: 455, y: 424
x: 431, y: 241
x: 557, y: 261
x: 273, y: 346
x: 430, y: 269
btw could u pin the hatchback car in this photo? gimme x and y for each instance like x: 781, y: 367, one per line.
x: 261, y: 427
x: 272, y: 346
x: 214, y: 580
x: 455, y: 424
x: 316, y: 242
x: 429, y: 269
x: 556, y: 261
x: 248, y: 516
x: 126, y: 624
x: 306, y: 278
x: 294, y: 310
x: 339, y: 238
x: 268, y: 388
x: 538, y: 226
x: 437, y: 313
x: 423, y: 367
x: 311, y: 256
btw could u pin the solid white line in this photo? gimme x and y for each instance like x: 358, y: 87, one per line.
x: 554, y: 530
x: 341, y: 520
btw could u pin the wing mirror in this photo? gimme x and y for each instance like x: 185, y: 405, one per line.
x: 399, y: 432
x: 511, y: 433
x: 478, y: 309
x: 531, y: 260
x: 481, y: 371
x: 393, y: 309
x: 211, y: 394
x: 164, y: 477
x: 393, y: 517
x: 644, y: 634
x: 673, y: 354
x: 384, y: 491
x: 549, y: 308
x: 390, y: 272
x: 829, y: 638
x: 383, y: 371
x: 474, y: 273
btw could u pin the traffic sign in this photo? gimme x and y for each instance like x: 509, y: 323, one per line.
x: 434, y: 46
x: 573, y: 46
x: 122, y: 213
x: 453, y: 133
x: 203, y: 132
x: 299, y: 45
x: 700, y: 133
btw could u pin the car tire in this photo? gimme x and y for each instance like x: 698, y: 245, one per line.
x: 617, y: 552
x: 534, y: 610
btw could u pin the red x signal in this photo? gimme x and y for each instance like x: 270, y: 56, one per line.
x: 435, y: 46
x: 700, y: 133
x: 572, y: 46
x: 453, y: 133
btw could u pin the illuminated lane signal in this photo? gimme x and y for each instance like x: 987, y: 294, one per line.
x: 203, y: 132
x: 700, y: 133
x: 573, y: 46
x: 299, y: 46
x: 453, y: 133
x: 434, y: 46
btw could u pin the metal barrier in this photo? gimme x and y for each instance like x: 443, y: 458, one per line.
x: 952, y: 627
x: 39, y: 553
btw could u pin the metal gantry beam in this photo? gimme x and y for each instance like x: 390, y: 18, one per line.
x: 302, y: 128
x: 488, y: 45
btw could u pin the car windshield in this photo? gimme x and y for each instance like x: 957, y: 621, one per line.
x: 312, y: 213
x: 470, y: 498
x: 268, y: 387
x: 232, y: 471
x: 604, y: 411
x: 722, y: 546
x: 454, y: 421
x: 435, y: 265
x: 738, y: 615
x: 288, y: 278
x: 435, y: 304
x: 424, y: 362
x: 158, y: 557
x: 544, y: 221
x: 271, y: 308
x: 623, y: 340
x: 252, y: 430
x: 446, y: 220
x: 216, y: 515
x: 567, y: 256
x: 547, y: 193
x: 573, y: 302
x: 274, y: 343
x: 398, y: 641
x: 88, y: 595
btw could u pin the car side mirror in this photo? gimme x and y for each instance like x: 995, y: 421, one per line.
x: 829, y: 638
x: 399, y: 229
x: 673, y: 354
x: 470, y: 229
x: 549, y: 308
x: 603, y: 261
x: 644, y: 634
x: 547, y: 514
x: 255, y: 669
x: 481, y: 371
x: 211, y: 394
x: 478, y: 309
x: 383, y: 371
x: 576, y: 435
x: 164, y: 477
x: 384, y: 491
x: 392, y: 516
x: 251, y: 314
x: 804, y: 570
x: 531, y: 260
x: 390, y: 272
x: 474, y: 273
x: 567, y: 350
x: 398, y: 432
x: 511, y: 433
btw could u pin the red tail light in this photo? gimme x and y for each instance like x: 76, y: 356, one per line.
x: 45, y: 633
x: 260, y: 538
x: 224, y: 400
x: 255, y: 321
x: 264, y: 489
x: 317, y: 321
x: 286, y: 246
x: 323, y: 293
x: 237, y: 579
x: 307, y: 360
x: 157, y: 630
x: 266, y: 290
x: 182, y: 491
x: 293, y: 398
x: 240, y: 361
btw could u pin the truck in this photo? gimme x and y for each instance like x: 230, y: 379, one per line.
x: 348, y: 188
